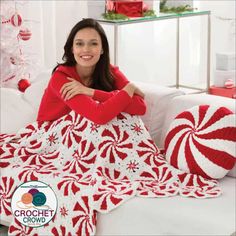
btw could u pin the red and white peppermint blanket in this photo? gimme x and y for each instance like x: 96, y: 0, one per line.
x: 91, y: 168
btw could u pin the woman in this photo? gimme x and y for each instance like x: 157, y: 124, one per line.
x: 87, y: 83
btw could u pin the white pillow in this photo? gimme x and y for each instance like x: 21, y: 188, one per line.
x: 16, y: 113
x: 34, y: 93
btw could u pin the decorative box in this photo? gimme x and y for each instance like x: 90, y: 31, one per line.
x: 225, y: 92
x: 225, y: 61
x: 129, y: 8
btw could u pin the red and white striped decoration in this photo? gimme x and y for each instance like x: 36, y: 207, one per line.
x: 229, y: 83
x: 16, y: 20
x: 202, y: 141
x: 25, y: 34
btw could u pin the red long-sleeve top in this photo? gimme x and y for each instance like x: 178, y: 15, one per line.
x: 100, y: 108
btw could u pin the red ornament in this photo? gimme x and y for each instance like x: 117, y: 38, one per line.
x: 24, y: 34
x: 23, y: 84
x: 16, y: 20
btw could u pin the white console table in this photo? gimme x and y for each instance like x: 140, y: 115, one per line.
x: 115, y: 40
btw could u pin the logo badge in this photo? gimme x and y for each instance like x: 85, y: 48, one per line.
x: 34, y: 204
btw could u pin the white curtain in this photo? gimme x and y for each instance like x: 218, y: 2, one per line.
x: 58, y: 17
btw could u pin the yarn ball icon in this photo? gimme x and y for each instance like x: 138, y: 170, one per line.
x: 39, y: 199
x: 35, y: 197
x: 27, y: 198
x: 33, y: 191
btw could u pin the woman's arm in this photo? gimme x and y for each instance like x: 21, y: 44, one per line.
x: 120, y: 82
x: 86, y: 106
x: 74, y: 87
x: 136, y: 107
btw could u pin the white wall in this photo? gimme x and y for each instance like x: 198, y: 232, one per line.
x: 48, y: 35
x: 223, y: 25
x: 58, y: 18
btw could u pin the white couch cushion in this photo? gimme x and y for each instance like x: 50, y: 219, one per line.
x: 157, y: 99
x: 15, y: 112
x: 173, y: 216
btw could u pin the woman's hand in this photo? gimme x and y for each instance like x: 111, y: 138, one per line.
x: 132, y: 89
x: 74, y: 87
x: 139, y: 92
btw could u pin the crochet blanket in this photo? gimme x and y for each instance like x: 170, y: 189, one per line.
x: 91, y: 168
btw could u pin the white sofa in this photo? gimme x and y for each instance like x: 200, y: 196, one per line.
x: 142, y: 216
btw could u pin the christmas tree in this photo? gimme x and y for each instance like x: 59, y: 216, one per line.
x: 17, y: 64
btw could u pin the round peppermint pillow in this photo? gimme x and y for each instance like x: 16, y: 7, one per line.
x: 202, y: 140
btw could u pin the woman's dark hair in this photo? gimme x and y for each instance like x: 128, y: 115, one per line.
x: 102, y: 76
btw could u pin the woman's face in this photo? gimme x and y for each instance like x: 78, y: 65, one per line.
x: 87, y: 47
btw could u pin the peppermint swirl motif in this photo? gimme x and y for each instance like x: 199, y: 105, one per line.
x: 201, y: 140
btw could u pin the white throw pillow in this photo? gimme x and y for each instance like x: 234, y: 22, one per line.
x: 35, y: 92
x: 15, y: 112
